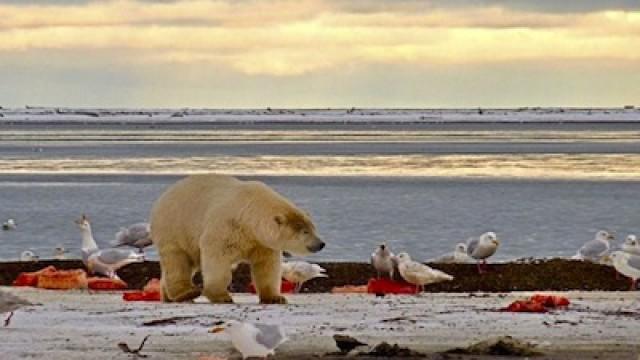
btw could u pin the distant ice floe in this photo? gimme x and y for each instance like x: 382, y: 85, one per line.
x: 355, y: 115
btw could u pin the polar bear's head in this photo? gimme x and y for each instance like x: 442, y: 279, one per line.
x: 295, y: 233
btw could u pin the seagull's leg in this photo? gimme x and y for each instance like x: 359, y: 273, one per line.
x: 297, y: 288
x: 7, y: 321
x: 479, y: 268
x: 633, y: 284
x: 378, y: 273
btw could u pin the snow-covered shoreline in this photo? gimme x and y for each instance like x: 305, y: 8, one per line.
x: 53, y: 115
x: 81, y: 325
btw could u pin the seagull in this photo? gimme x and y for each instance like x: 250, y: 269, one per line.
x: 10, y: 224
x: 631, y: 245
x: 9, y: 303
x: 298, y: 272
x: 28, y: 255
x: 103, y: 261
x: 627, y: 265
x: 597, y: 249
x: 253, y: 340
x: 458, y: 256
x: 483, y: 247
x: 419, y: 274
x: 59, y: 252
x: 137, y: 235
x: 384, y: 261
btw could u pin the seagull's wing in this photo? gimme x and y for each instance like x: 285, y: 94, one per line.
x: 634, y: 262
x: 416, y: 267
x: 472, y: 244
x: 593, y: 249
x: 269, y: 336
x: 10, y: 302
x: 114, y: 256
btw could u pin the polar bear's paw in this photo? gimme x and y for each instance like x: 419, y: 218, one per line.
x: 221, y: 298
x: 273, y: 300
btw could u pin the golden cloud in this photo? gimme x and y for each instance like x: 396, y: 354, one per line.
x: 294, y: 37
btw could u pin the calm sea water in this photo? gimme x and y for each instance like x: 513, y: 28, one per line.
x: 545, y: 189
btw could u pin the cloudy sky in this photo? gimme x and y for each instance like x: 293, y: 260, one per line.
x: 319, y: 53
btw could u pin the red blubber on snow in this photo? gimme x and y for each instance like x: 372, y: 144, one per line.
x: 538, y: 303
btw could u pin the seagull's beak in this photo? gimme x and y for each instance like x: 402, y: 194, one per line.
x: 216, y: 329
x: 497, y: 242
x: 611, y: 237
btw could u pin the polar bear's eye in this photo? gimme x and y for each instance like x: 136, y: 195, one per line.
x: 305, y: 232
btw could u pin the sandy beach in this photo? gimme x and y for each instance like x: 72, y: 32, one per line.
x: 84, y: 325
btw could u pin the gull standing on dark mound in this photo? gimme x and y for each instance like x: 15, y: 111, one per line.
x: 597, y: 249
x: 627, y: 265
x: 137, y: 235
x: 384, y: 261
x: 299, y: 272
x: 9, y: 303
x: 29, y: 255
x: 482, y: 248
x: 458, y: 256
x: 419, y: 274
x: 59, y: 252
x: 253, y: 340
x: 103, y: 261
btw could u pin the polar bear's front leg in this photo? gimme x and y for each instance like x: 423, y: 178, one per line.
x: 267, y: 276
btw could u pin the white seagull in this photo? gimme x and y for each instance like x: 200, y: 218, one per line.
x: 59, y: 253
x: 137, y: 235
x: 458, y: 256
x: 253, y: 340
x: 419, y: 274
x: 10, y: 224
x: 597, y: 249
x: 384, y: 261
x: 10, y: 303
x: 103, y: 261
x: 298, y: 272
x: 631, y: 245
x: 627, y: 265
x: 29, y: 255
x: 482, y: 248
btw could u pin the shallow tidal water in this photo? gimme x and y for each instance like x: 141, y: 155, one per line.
x: 544, y: 188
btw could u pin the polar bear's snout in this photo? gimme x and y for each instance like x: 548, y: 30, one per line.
x: 316, y: 246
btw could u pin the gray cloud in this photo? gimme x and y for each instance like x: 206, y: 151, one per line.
x: 549, y: 6
x: 367, y: 6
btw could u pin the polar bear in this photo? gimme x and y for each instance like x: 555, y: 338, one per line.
x: 211, y: 222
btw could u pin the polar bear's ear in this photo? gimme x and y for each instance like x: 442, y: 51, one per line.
x: 279, y: 219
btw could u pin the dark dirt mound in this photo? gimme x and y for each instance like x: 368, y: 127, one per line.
x: 502, y: 346
x: 557, y: 274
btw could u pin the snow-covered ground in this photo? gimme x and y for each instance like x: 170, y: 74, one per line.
x: 535, y: 114
x: 78, y: 325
